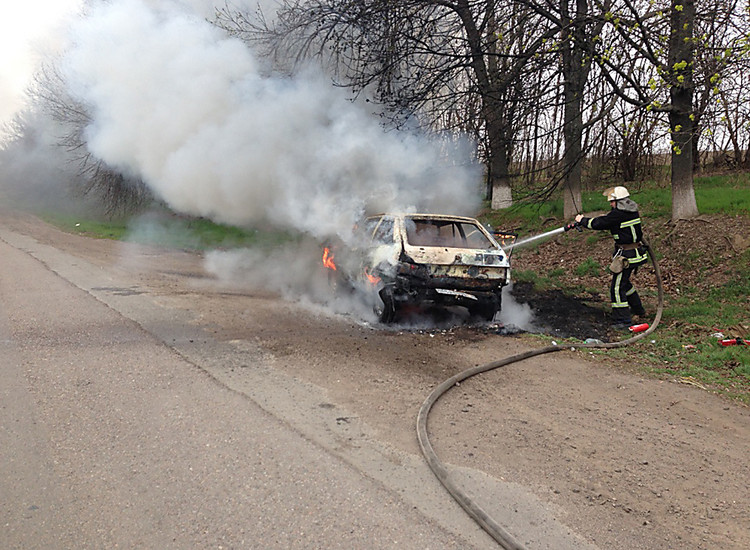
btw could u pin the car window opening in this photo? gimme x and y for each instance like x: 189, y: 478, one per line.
x: 445, y: 234
x: 384, y: 232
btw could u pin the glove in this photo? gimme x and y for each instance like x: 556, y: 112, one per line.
x: 570, y: 226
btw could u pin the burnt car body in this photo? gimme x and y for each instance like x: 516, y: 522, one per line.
x: 419, y: 259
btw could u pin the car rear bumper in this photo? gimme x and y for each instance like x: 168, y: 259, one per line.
x: 446, y: 291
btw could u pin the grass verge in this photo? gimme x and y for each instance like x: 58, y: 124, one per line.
x: 171, y: 231
x: 710, y: 292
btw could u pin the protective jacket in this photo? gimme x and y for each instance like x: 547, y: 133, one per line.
x: 624, y: 223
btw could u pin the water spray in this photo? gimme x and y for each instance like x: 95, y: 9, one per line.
x: 528, y: 240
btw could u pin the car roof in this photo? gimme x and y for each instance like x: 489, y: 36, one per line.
x: 446, y: 217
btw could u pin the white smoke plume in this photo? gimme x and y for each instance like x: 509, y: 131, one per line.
x: 206, y: 125
x: 515, y: 314
x: 214, y: 132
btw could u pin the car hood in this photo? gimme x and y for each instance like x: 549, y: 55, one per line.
x: 457, y: 256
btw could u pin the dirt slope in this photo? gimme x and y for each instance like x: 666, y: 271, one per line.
x: 692, y: 254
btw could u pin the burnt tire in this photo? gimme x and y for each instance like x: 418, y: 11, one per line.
x: 385, y: 306
x: 485, y: 309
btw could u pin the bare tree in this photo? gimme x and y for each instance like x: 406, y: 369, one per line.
x: 730, y: 135
x: 671, y: 39
x: 680, y: 62
x: 579, y: 32
x: 517, y: 75
x: 115, y: 191
x: 720, y: 60
x: 450, y: 65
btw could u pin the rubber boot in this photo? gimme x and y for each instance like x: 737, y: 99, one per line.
x: 636, y: 307
x: 621, y: 317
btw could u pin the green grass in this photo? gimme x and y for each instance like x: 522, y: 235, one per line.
x: 684, y: 344
x: 718, y: 194
x: 714, y: 195
x: 90, y: 228
x: 723, y: 194
x: 588, y: 267
x: 691, y: 317
x: 526, y: 276
x: 723, y: 369
x: 595, y: 238
x: 554, y: 279
x: 539, y: 282
x: 167, y: 230
x: 524, y: 216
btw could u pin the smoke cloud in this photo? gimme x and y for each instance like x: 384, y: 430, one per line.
x: 214, y: 133
x: 35, y: 172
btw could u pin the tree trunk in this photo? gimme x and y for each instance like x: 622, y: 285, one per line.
x: 681, y: 119
x: 498, y: 168
x: 496, y: 124
x: 572, y: 161
x: 575, y: 71
x: 492, y: 110
x: 732, y: 131
x: 683, y: 193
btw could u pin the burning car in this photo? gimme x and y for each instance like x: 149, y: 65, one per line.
x: 420, y: 259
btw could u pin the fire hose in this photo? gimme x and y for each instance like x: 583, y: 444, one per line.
x: 492, y: 527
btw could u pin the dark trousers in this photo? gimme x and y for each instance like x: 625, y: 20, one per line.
x: 624, y: 296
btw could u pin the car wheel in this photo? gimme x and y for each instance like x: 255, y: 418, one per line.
x: 485, y: 310
x: 385, y: 305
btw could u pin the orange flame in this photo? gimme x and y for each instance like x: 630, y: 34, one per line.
x: 328, y: 259
x: 372, y: 278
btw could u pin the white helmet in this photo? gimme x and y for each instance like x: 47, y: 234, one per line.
x: 616, y: 193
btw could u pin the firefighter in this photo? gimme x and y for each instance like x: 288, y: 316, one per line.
x: 624, y: 223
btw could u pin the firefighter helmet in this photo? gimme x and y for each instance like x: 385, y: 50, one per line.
x: 616, y: 193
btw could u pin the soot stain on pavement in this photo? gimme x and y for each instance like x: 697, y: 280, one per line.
x: 564, y: 316
x: 554, y: 313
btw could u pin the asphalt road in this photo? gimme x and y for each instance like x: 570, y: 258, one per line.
x: 110, y: 437
x: 125, y: 425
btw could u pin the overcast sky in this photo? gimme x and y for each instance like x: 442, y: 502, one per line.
x: 28, y: 28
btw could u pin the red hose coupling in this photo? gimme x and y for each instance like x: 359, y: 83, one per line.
x: 638, y: 328
x: 735, y: 342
